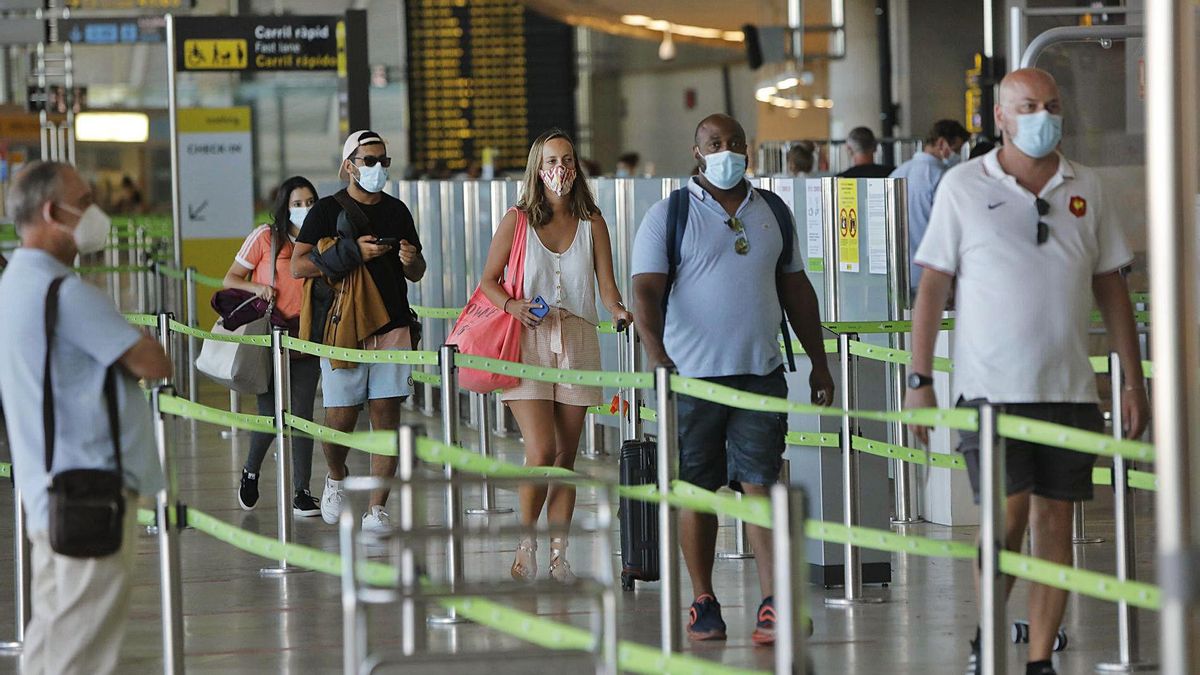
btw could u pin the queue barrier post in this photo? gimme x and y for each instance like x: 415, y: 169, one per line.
x: 482, y: 405
x: 1129, y: 656
x: 454, y: 556
x: 608, y: 644
x: 190, y: 292
x: 787, y: 542
x: 22, y: 579
x: 281, y: 384
x: 139, y: 277
x: 354, y: 613
x: 1079, y: 533
x: 852, y: 564
x: 591, y: 449
x: 170, y: 519
x: 413, y: 637
x: 741, y: 540
x: 668, y: 533
x: 991, y: 543
x: 235, y: 405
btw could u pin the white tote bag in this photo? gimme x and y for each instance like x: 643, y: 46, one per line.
x: 243, y: 368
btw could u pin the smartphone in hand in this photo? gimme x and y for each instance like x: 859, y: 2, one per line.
x: 541, y: 311
x: 387, y: 241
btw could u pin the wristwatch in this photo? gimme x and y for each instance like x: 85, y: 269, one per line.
x: 917, y: 380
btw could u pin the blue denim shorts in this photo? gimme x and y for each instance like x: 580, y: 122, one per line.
x: 351, y: 387
x: 720, y: 446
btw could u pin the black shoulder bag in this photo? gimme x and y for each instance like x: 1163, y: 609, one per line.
x: 87, y: 506
x: 362, y: 225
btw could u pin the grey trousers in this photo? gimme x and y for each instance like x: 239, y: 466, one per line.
x: 305, y: 374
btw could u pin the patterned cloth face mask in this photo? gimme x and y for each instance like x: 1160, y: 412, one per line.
x: 558, y: 179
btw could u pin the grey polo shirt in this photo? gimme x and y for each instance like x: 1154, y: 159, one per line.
x: 923, y: 172
x: 723, y: 312
x: 91, y: 334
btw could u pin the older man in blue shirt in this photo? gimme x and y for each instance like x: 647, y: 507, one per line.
x: 943, y: 148
x: 80, y: 605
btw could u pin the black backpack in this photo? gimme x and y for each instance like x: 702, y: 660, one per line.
x: 678, y: 205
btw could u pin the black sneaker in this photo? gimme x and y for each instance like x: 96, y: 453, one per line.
x: 973, y: 664
x: 705, y: 619
x: 248, y: 491
x: 1040, y: 668
x: 304, y: 505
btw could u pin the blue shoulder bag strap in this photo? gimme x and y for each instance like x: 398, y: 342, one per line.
x: 783, y: 217
x: 677, y: 216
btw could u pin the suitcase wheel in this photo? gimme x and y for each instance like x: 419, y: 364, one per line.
x: 626, y: 582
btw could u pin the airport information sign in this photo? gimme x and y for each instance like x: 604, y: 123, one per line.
x: 256, y: 43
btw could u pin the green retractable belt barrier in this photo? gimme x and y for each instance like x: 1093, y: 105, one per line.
x: 806, y: 439
x: 181, y: 407
x: 591, y: 378
x: 416, y: 358
x: 255, y: 340
x: 172, y: 273
x: 436, y: 312
x: 1070, y: 438
x: 142, y: 320
x: 899, y: 356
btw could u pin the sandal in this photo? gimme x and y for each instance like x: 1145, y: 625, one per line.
x: 560, y: 569
x: 524, y: 567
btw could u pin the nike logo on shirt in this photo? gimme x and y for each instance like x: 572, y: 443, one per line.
x: 992, y: 207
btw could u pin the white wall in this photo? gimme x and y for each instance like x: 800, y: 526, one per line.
x: 656, y: 123
x: 854, y: 80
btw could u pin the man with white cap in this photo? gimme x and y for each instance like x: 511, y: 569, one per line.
x: 390, y: 250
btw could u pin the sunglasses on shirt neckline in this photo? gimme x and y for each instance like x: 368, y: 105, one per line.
x: 741, y: 245
x: 1043, y: 230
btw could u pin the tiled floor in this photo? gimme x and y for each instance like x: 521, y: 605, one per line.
x: 237, y: 621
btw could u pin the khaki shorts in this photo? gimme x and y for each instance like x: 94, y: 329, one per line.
x: 563, y: 341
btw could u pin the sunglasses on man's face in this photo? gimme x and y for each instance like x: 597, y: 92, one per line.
x: 370, y: 160
x: 1043, y: 230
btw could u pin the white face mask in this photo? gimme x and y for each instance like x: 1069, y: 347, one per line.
x: 296, y: 214
x: 372, y: 178
x: 92, y: 231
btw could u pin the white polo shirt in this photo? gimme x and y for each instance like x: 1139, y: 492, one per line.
x: 1023, y: 310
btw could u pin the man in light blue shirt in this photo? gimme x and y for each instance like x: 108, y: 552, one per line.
x: 943, y: 149
x: 722, y: 323
x: 80, y: 605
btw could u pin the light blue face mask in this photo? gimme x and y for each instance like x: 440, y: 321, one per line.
x: 1038, y: 134
x: 372, y: 178
x: 953, y: 159
x: 725, y: 169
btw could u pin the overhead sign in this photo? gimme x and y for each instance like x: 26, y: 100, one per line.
x: 256, y: 43
x: 130, y: 4
x: 215, y: 172
x: 113, y: 31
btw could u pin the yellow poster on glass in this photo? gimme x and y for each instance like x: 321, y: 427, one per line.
x: 847, y: 224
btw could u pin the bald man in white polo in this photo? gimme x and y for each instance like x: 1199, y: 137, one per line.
x: 1023, y: 238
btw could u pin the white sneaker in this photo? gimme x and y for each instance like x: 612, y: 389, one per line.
x: 377, y: 520
x: 331, y: 500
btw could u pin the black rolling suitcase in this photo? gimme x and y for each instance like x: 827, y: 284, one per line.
x: 639, y: 520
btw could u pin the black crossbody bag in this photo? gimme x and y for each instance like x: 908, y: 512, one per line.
x: 87, y: 506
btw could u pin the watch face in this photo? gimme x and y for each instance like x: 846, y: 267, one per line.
x: 915, y: 381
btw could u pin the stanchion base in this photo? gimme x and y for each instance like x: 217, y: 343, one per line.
x: 908, y: 521
x: 152, y: 530
x: 11, y: 648
x: 279, y: 571
x: 846, y: 603
x: 445, y: 620
x: 489, y: 512
x: 1125, y: 667
x: 734, y: 555
x: 1088, y: 540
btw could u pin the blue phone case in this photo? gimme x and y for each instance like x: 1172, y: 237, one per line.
x: 543, y: 310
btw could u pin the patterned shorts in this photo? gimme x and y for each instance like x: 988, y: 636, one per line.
x: 564, y: 341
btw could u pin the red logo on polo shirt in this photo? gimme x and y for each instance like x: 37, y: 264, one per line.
x: 1078, y: 206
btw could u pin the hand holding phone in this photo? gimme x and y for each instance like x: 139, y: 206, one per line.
x: 387, y: 241
x: 542, y: 308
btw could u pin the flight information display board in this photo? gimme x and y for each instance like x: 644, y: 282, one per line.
x: 484, y: 74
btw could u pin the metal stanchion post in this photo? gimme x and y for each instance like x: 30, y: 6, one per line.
x: 283, y: 448
x: 169, y: 511
x: 139, y: 277
x: 1079, y: 527
x: 741, y: 541
x: 1127, y: 624
x: 454, y: 560
x: 22, y: 579
x: 991, y: 542
x: 413, y: 627
x: 852, y: 563
x: 354, y: 614
x: 427, y: 399
x: 235, y: 405
x: 591, y: 449
x: 190, y: 289
x: 668, y: 534
x: 787, y: 542
x: 633, y: 396
x: 482, y: 404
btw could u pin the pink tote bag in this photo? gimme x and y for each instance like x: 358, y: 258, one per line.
x: 486, y: 330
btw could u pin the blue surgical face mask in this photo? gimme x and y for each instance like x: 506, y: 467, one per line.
x: 725, y: 169
x: 1038, y: 134
x: 954, y: 158
x: 372, y: 178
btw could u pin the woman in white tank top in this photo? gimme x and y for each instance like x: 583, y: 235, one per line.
x: 567, y: 252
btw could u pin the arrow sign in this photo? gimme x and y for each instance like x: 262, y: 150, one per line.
x: 195, y: 213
